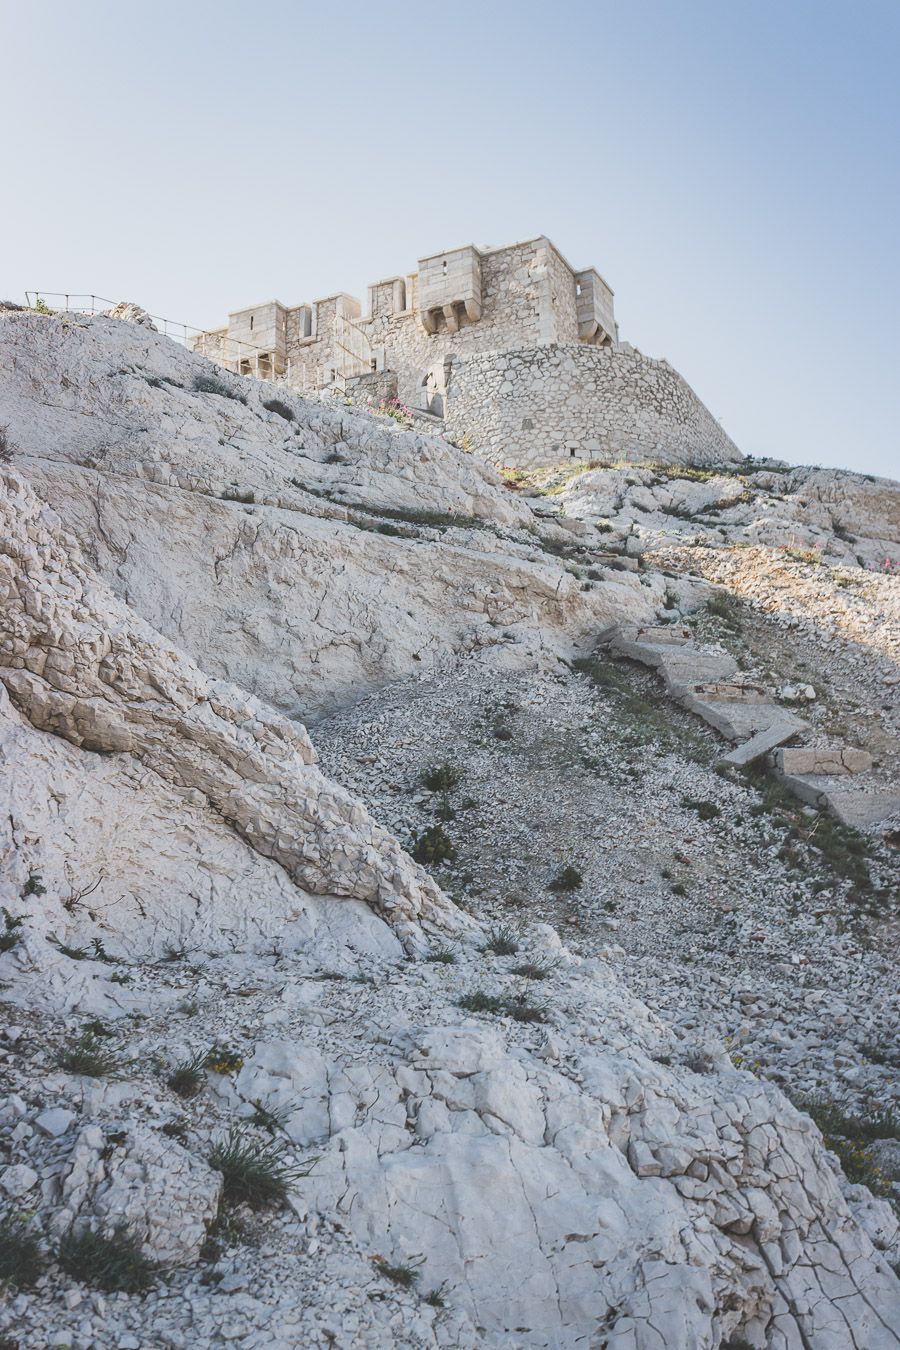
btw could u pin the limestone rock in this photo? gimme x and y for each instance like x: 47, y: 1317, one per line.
x: 135, y: 1176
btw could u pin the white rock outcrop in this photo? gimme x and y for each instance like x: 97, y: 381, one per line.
x: 566, y: 1173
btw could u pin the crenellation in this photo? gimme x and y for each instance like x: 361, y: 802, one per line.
x: 511, y: 346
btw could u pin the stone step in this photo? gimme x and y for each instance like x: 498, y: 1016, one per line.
x: 740, y: 720
x: 864, y: 806
x: 832, y: 759
x: 761, y: 742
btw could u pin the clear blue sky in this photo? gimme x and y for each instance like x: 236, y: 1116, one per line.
x: 730, y: 166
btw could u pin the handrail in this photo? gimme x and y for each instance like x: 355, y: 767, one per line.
x: 33, y: 298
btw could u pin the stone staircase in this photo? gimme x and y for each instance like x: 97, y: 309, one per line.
x: 835, y: 778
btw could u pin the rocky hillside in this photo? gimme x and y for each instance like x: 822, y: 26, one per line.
x: 508, y: 1008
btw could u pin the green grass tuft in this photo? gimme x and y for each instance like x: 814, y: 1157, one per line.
x: 114, y: 1263
x: 255, y: 1174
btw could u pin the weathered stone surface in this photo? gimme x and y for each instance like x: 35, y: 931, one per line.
x: 761, y: 743
x: 837, y: 759
x: 163, y: 1194
x: 276, y: 573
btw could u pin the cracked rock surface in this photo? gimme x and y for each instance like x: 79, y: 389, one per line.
x: 491, y: 1138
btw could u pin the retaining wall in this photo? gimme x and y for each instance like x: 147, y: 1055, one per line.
x: 539, y: 405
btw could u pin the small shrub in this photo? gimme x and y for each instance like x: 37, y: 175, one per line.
x: 705, y: 810
x: 481, y: 1002
x: 502, y: 732
x: 10, y: 936
x: 21, y: 1258
x: 516, y: 1006
x: 187, y: 1078
x: 34, y: 885
x: 6, y: 445
x: 569, y: 879
x: 444, y: 956
x: 433, y: 846
x: 725, y: 608
x: 175, y: 1129
x: 275, y: 405
x: 209, y: 384
x: 255, y: 1174
x: 87, y: 1058
x: 502, y: 940
x: 115, y: 1263
x: 223, y: 1061
x: 521, y: 1009
x: 274, y: 1118
x: 406, y: 1275
x: 441, y: 777
x: 398, y: 411
x: 679, y: 888
x: 535, y: 970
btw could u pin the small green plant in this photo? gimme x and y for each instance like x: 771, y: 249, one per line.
x: 441, y: 777
x: 516, y: 1006
x: 175, y: 1129
x: 21, y: 1257
x: 209, y: 384
x: 274, y: 1118
x: 87, y: 1058
x: 502, y: 940
x: 73, y: 953
x: 187, y: 1078
x: 435, y: 1297
x: 705, y: 810
x: 679, y: 888
x: 520, y: 1008
x: 535, y: 970
x: 433, y: 846
x: 479, y: 1001
x: 114, y: 1262
x: 726, y: 608
x: 444, y: 956
x: 223, y: 1061
x: 803, y: 555
x: 569, y: 879
x: 39, y: 306
x: 255, y: 1174
x: 97, y: 1028
x: 406, y: 1274
x: 392, y: 407
x: 10, y: 936
x: 34, y: 885
x: 275, y: 405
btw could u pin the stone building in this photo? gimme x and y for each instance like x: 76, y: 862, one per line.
x: 511, y: 348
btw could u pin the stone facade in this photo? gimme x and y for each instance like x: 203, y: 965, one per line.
x: 537, y: 405
x: 511, y: 346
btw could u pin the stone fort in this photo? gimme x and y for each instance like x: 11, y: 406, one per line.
x: 510, y: 351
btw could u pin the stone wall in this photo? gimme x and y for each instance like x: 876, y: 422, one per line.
x: 536, y: 405
x: 528, y: 296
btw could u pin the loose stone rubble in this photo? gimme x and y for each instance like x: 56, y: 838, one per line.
x: 600, y: 1149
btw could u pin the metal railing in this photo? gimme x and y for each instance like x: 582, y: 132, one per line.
x: 185, y: 333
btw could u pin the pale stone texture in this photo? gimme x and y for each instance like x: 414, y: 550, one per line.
x: 134, y: 1176
x: 569, y: 1186
x: 274, y: 573
x: 542, y: 405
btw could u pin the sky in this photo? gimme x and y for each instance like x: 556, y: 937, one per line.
x: 729, y: 166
